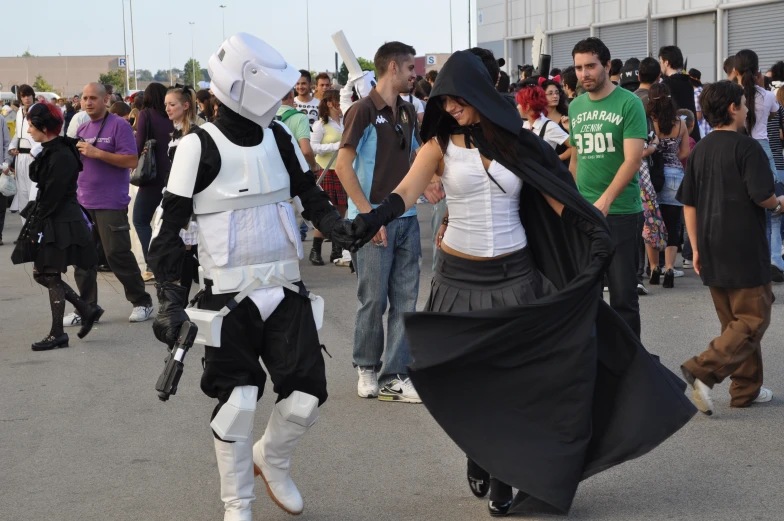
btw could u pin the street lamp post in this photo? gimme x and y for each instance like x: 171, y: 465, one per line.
x: 451, y: 41
x: 193, y: 60
x: 125, y: 48
x: 133, y: 49
x: 223, y: 14
x: 171, y: 78
x: 307, y: 28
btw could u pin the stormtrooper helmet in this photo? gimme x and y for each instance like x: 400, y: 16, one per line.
x: 250, y: 77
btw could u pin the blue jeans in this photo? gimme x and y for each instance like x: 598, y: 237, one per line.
x: 143, y: 209
x: 775, y: 224
x: 392, y: 274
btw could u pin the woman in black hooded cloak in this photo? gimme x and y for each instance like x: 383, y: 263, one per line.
x: 560, y: 388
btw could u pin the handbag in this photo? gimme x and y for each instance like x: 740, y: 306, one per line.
x: 655, y: 162
x: 146, y: 169
x: 7, y: 185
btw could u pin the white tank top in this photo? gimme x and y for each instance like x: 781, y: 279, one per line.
x: 483, y: 220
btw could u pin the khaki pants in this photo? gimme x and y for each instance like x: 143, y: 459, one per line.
x: 744, y: 315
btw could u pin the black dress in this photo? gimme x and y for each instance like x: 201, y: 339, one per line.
x: 57, y: 234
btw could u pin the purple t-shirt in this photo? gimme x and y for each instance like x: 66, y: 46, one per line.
x: 102, y: 186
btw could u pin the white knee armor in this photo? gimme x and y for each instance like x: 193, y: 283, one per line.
x: 234, y: 420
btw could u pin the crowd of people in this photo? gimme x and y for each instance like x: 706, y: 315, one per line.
x: 543, y: 191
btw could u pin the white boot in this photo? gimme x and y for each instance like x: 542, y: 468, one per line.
x: 235, y: 464
x: 272, y: 456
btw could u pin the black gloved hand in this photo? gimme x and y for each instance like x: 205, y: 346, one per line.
x: 367, y: 225
x: 172, y: 300
x: 364, y: 227
x: 342, y: 234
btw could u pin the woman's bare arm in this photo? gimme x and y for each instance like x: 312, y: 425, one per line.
x: 426, y: 164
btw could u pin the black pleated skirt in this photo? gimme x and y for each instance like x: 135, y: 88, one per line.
x: 65, y: 244
x: 461, y: 285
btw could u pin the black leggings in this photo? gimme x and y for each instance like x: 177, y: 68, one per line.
x: 59, y: 292
x: 672, y: 221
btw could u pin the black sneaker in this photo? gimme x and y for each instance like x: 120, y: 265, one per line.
x: 641, y: 289
x: 776, y: 274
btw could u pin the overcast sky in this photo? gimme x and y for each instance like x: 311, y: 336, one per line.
x: 92, y: 27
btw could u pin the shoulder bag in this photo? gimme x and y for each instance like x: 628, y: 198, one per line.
x: 146, y: 170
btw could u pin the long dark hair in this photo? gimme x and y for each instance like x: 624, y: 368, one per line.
x: 747, y: 65
x: 205, y: 98
x: 154, y: 98
x: 563, y: 105
x: 661, y: 108
x: 499, y: 140
x: 332, y: 95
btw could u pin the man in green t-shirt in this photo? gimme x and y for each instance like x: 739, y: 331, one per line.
x: 608, y: 129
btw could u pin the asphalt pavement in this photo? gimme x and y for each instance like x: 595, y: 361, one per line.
x: 83, y: 436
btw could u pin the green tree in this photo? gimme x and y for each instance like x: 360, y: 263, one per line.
x: 27, y: 54
x: 366, y: 65
x: 41, y: 85
x: 115, y: 78
x: 162, y: 76
x: 192, y: 66
x: 205, y: 74
x: 144, y: 75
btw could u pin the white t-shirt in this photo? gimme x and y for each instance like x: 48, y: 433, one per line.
x: 416, y: 102
x: 309, y: 108
x: 764, y: 105
x: 553, y: 134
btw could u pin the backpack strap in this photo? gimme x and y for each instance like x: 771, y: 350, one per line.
x: 544, y: 127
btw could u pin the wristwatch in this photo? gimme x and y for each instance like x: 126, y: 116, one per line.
x: 777, y: 209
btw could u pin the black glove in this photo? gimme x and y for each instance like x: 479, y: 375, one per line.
x: 367, y: 225
x: 172, y: 300
x: 341, y: 234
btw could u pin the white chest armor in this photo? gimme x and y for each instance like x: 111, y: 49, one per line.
x: 249, y: 176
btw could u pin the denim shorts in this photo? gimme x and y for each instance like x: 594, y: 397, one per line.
x: 672, y: 181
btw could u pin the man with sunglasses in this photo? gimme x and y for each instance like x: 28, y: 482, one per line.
x: 375, y: 154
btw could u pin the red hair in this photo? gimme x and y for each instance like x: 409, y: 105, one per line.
x: 534, y: 99
x: 46, y: 117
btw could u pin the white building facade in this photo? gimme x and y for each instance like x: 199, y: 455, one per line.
x: 707, y: 31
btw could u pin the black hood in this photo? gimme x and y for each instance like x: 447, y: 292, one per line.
x: 464, y: 76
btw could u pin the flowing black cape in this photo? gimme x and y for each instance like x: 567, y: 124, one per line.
x: 544, y: 395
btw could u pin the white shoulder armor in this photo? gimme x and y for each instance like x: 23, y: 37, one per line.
x: 249, y: 176
x: 182, y: 177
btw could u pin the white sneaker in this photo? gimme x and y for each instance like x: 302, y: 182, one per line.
x: 140, y: 314
x: 678, y: 273
x: 72, y: 319
x: 702, y: 398
x: 765, y: 395
x: 687, y: 264
x: 367, y: 386
x: 399, y: 390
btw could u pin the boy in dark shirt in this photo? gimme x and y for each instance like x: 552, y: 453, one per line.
x: 726, y: 189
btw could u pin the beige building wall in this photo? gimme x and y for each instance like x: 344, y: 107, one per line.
x: 67, y: 74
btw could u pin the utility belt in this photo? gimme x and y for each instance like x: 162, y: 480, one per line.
x: 244, y: 280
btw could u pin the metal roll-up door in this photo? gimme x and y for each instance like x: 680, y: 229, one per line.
x: 757, y: 28
x: 626, y: 41
x: 562, y: 44
x: 697, y: 40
